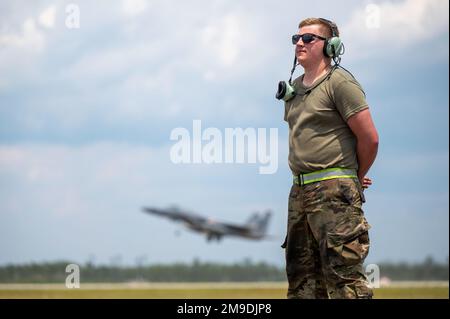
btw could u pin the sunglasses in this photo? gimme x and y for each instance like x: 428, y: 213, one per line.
x: 306, y: 38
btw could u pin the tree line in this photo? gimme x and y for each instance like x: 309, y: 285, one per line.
x: 196, y: 271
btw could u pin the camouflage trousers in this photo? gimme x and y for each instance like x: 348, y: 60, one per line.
x: 327, y: 240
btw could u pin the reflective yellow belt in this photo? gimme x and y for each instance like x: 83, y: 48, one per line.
x: 324, y: 174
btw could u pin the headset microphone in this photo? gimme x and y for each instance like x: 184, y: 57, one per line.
x: 285, y: 90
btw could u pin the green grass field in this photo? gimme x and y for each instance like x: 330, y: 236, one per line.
x: 202, y: 291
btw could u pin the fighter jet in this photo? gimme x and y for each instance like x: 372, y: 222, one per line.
x: 254, y: 228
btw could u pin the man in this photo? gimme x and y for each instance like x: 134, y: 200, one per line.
x: 332, y: 144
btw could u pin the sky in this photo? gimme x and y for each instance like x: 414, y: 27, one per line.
x: 87, y: 107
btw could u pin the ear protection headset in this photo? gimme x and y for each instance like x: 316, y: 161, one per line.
x: 333, y: 47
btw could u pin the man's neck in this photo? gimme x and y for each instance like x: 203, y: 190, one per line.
x: 312, y: 73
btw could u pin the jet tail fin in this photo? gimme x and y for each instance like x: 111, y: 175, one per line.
x: 259, y: 222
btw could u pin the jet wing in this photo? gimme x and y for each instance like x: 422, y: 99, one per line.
x: 176, y: 215
x: 235, y: 228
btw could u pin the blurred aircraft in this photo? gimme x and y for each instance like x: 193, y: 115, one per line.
x: 254, y: 228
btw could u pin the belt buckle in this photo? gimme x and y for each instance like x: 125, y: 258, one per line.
x: 301, y: 180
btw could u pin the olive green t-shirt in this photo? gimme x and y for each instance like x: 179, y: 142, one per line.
x: 319, y: 136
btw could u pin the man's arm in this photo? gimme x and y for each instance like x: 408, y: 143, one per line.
x: 366, y: 134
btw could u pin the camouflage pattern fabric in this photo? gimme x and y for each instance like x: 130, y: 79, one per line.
x: 327, y: 240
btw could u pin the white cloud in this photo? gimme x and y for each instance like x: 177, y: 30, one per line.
x: 223, y: 39
x: 30, y: 38
x: 107, y: 75
x: 231, y: 45
x: 403, y: 25
x: 134, y: 7
x: 58, y: 179
x: 47, y: 17
x: 108, y: 62
x: 23, y: 41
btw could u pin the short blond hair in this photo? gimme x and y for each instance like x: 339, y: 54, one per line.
x: 315, y: 21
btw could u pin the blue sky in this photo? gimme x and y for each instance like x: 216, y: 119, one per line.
x: 86, y: 116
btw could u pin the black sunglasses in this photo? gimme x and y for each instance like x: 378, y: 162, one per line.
x: 306, y: 38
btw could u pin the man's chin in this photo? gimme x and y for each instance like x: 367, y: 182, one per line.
x: 302, y: 61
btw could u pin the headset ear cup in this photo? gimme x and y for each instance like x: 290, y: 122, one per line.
x: 332, y: 47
